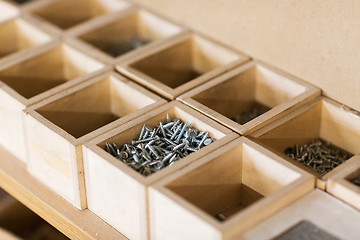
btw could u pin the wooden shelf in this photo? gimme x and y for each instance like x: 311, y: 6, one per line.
x: 75, y: 224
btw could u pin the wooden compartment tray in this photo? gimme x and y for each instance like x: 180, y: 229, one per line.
x: 324, y: 215
x: 63, y: 15
x: 121, y: 35
x: 340, y: 185
x: 57, y: 127
x: 116, y: 192
x: 322, y: 118
x: 36, y: 75
x: 251, y: 87
x: 18, y: 36
x: 172, y: 68
x: 241, y: 180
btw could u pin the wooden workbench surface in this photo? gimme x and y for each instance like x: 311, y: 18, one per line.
x: 73, y: 223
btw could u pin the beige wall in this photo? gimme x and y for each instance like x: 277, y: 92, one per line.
x: 316, y: 40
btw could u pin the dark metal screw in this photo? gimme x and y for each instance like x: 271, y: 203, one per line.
x: 321, y: 156
x: 221, y: 217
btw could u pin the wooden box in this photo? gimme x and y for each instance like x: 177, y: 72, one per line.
x: 58, y: 126
x: 241, y: 180
x: 326, y: 218
x: 322, y: 118
x: 18, y: 36
x: 340, y: 184
x: 122, y: 35
x: 179, y: 65
x: 116, y: 192
x: 7, y: 11
x: 255, y: 93
x: 63, y: 15
x: 34, y: 76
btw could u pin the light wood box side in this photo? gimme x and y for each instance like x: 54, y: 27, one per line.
x: 181, y: 64
x: 241, y: 180
x: 340, y: 185
x: 58, y: 126
x: 116, y: 192
x: 249, y: 86
x: 7, y: 11
x: 323, y: 118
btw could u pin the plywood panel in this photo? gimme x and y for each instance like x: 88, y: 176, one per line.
x: 317, y: 41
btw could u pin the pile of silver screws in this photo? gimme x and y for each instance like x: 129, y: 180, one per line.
x: 320, y: 156
x: 245, y: 117
x: 118, y: 49
x: 159, y: 147
x: 221, y: 217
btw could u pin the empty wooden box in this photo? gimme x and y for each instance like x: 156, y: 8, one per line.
x: 58, y: 126
x: 62, y: 15
x: 317, y: 215
x: 18, y: 36
x: 115, y: 191
x: 7, y: 11
x: 241, y: 183
x: 340, y: 184
x: 34, y: 76
x: 322, y: 119
x: 250, y: 96
x: 121, y: 35
x: 177, y: 66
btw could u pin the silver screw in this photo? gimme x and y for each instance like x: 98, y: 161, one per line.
x: 159, y: 147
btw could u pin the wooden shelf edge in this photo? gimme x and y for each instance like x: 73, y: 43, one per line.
x: 72, y: 222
